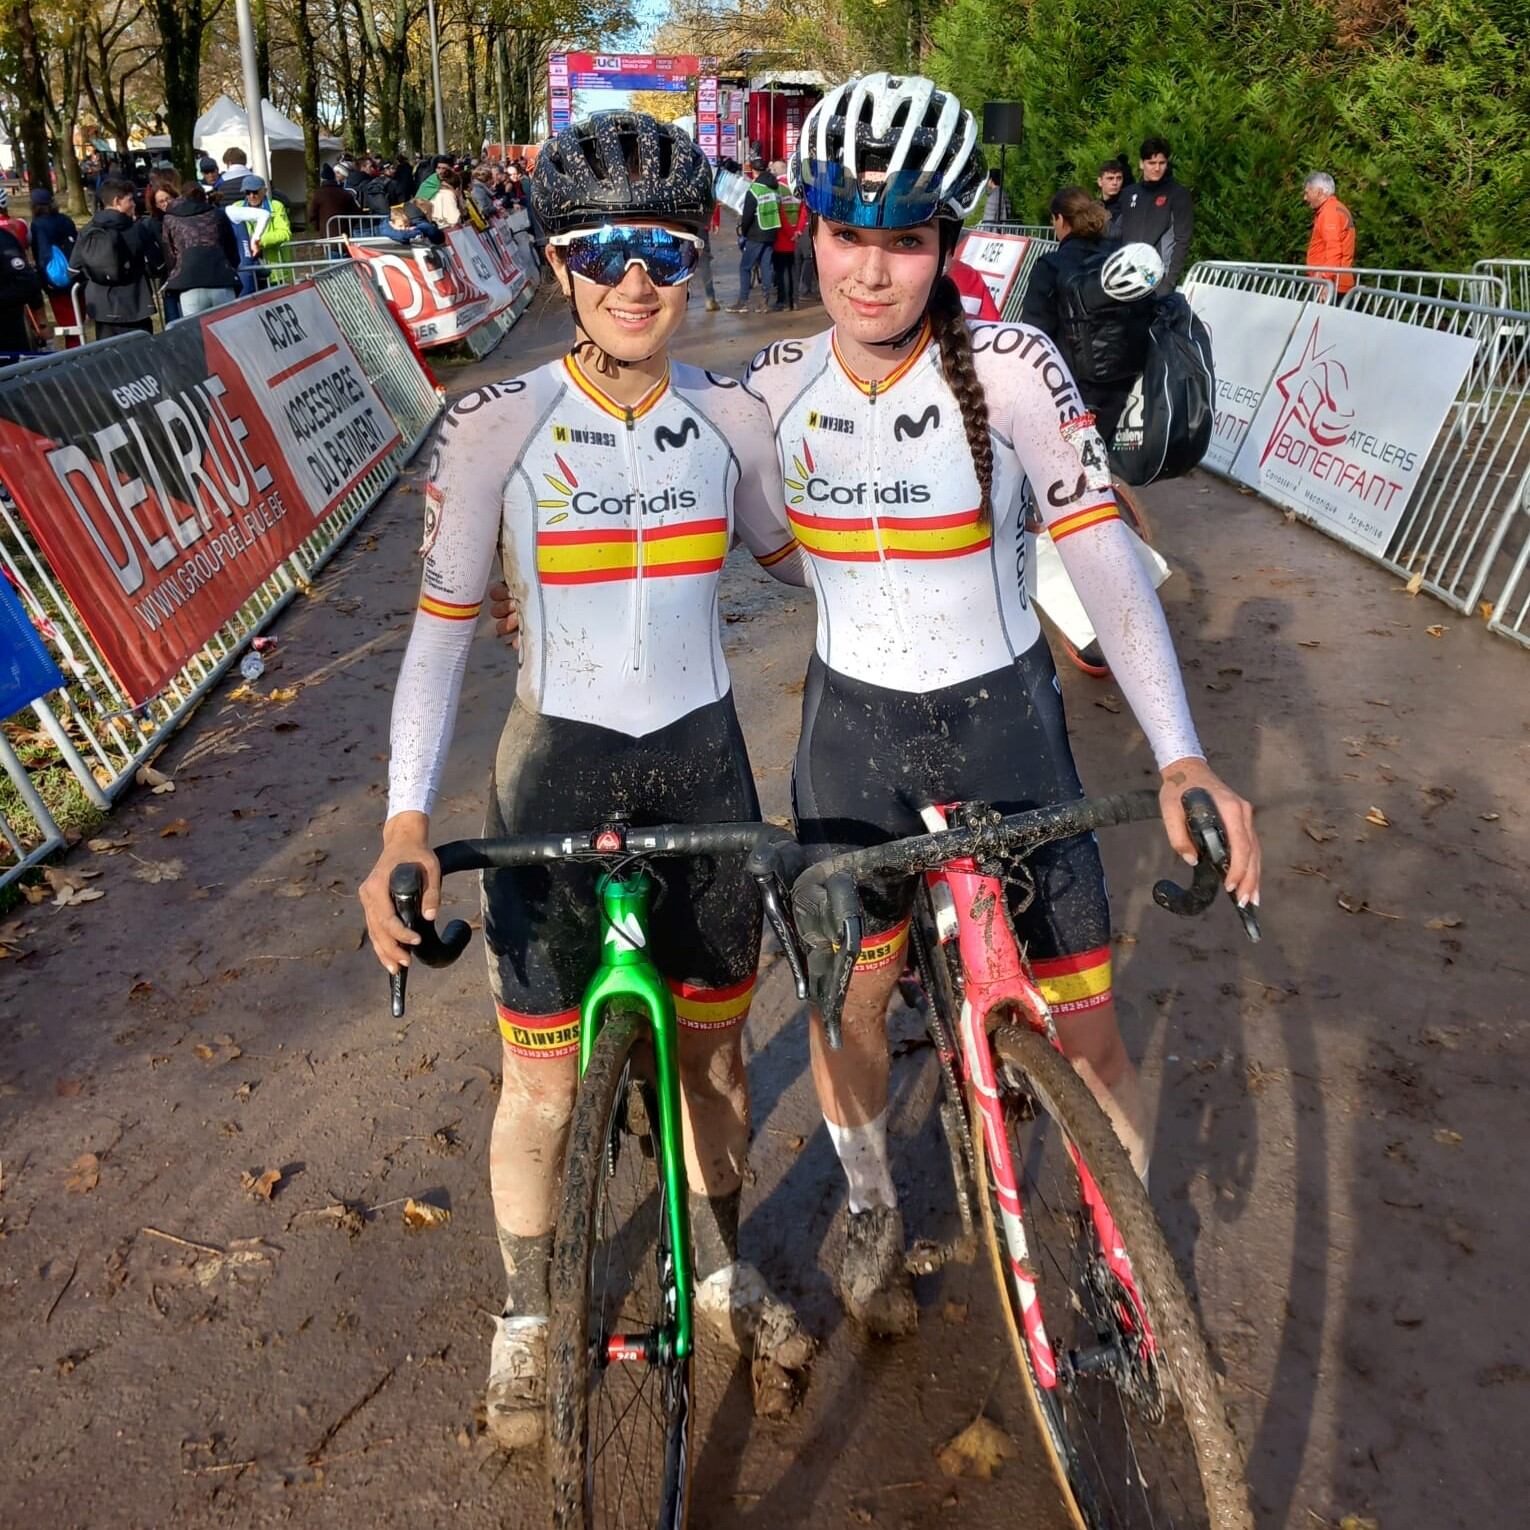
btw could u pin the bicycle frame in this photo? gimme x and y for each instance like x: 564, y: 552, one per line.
x: 626, y: 971
x: 995, y: 981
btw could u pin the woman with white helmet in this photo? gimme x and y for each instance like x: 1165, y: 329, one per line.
x: 906, y: 437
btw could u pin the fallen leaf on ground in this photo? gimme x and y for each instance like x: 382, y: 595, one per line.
x: 1447, y: 1138
x: 1436, y: 631
x: 294, y: 887
x: 174, y: 827
x: 1445, y: 922
x: 242, y: 1255
x: 261, y: 1186
x: 1415, y: 584
x: 67, y: 1088
x: 978, y: 1451
x: 1359, y: 1522
x: 313, y: 857
x: 420, y: 1214
x: 1110, y: 703
x: 105, y: 846
x: 954, y: 1312
x: 34, y: 892
x: 1485, y: 610
x: 67, y: 897
x: 1354, y: 905
x: 73, y: 881
x: 158, y: 871
x: 283, y: 693
x: 1377, y: 817
x: 155, y: 780
x: 1318, y: 833
x: 1489, y: 817
x: 1309, y: 643
x: 10, y: 939
x: 84, y: 1174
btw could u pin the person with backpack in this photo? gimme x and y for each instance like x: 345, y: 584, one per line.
x: 1097, y: 299
x: 202, y: 251
x: 53, y: 239
x: 1105, y: 346
x: 112, y: 260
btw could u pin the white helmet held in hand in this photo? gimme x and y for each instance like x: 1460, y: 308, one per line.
x: 1131, y: 273
x: 888, y: 151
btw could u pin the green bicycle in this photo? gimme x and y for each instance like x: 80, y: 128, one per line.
x: 620, y: 1339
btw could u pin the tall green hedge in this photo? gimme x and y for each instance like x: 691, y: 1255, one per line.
x: 1420, y: 109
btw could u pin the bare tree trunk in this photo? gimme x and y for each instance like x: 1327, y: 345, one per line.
x: 351, y: 82
x: 308, y: 97
x: 181, y: 25
x: 32, y: 125
x: 474, y: 135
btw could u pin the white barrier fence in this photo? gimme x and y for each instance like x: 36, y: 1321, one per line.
x: 1395, y: 416
x: 98, y: 728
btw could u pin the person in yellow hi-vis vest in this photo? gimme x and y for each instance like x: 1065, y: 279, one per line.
x: 758, y: 226
x: 794, y: 217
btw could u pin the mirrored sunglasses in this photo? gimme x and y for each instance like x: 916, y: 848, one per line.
x: 602, y: 255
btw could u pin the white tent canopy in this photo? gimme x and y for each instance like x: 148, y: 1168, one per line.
x: 225, y: 125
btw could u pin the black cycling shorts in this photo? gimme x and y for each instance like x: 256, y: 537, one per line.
x: 542, y: 923
x: 870, y: 758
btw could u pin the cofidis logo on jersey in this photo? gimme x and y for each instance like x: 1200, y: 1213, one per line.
x: 809, y: 487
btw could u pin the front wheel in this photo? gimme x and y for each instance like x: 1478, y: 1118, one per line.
x: 1121, y: 1381
x: 618, y: 1398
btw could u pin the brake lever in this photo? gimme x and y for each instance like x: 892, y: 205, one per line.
x: 406, y: 887
x: 844, y: 907
x: 765, y: 865
x: 1209, y: 837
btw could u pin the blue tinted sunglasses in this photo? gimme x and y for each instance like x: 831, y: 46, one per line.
x: 602, y: 255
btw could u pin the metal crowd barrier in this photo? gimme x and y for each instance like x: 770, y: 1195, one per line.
x: 1458, y: 286
x: 1030, y: 230
x: 1515, y: 275
x: 1467, y: 529
x: 1296, y: 285
x: 1042, y: 239
x: 100, y: 733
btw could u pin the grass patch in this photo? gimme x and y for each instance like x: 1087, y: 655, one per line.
x: 60, y: 790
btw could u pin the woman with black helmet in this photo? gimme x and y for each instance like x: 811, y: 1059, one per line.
x: 612, y: 481
x: 907, y: 437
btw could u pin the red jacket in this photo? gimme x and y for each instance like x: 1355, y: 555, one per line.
x: 786, y: 236
x: 977, y: 300
x: 1332, y: 242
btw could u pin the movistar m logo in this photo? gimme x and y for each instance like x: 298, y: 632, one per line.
x: 664, y: 437
x: 904, y: 428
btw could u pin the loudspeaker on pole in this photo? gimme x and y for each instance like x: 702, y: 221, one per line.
x: 1003, y: 122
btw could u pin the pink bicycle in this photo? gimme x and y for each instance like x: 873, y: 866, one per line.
x: 1110, y: 1348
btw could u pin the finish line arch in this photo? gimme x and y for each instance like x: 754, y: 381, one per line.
x: 568, y: 72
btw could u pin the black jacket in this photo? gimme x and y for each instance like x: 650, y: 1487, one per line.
x: 1105, y: 349
x: 1112, y: 205
x: 371, y: 193
x: 1159, y: 213
x: 200, y: 244
x: 111, y: 259
x: 20, y: 289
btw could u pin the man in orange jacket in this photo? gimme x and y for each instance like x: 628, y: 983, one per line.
x: 1333, y: 231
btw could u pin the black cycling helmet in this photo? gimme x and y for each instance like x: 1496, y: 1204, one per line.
x: 611, y: 165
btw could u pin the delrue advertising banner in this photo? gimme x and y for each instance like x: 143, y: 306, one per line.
x: 164, y: 477
x: 428, y: 289
x: 1349, y: 418
x: 1249, y: 332
x: 494, y: 274
x: 996, y: 258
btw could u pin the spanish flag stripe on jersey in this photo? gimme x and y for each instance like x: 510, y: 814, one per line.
x: 582, y: 557
x: 904, y: 537
x: 1073, y: 983
x: 701, y: 1008
x: 539, y: 1035
x: 1082, y: 520
x: 902, y: 370
x: 604, y: 401
x: 884, y: 949
x: 450, y: 611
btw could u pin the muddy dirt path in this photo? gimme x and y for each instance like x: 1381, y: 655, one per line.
x: 1340, y: 1142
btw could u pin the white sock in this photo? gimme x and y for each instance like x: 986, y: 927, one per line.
x: 863, y: 1155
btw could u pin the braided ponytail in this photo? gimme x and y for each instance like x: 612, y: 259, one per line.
x: 948, y: 321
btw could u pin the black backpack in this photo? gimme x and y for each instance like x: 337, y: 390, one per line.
x: 1166, y: 426
x: 1103, y: 340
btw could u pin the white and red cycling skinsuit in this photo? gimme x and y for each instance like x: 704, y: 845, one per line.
x: 931, y: 681
x: 612, y: 525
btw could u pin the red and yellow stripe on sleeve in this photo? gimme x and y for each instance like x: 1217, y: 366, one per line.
x: 767, y: 560
x: 450, y: 610
x: 1082, y: 520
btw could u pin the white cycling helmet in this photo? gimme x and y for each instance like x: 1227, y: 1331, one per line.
x: 1131, y: 272
x: 888, y: 151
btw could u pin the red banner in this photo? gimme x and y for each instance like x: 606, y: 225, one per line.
x: 164, y: 477
x: 427, y: 288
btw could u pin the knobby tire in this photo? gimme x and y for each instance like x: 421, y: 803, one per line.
x: 615, y: 1105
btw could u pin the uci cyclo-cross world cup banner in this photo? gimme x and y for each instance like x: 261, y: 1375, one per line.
x: 164, y: 477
